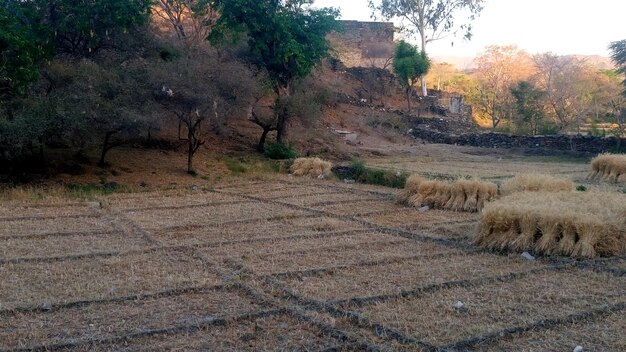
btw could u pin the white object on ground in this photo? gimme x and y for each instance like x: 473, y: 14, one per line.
x: 458, y: 305
x: 528, y: 256
x: 578, y: 349
x: 424, y: 209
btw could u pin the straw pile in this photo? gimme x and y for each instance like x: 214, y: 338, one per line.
x: 536, y: 183
x: 579, y: 224
x: 608, y: 167
x: 461, y: 195
x: 311, y: 167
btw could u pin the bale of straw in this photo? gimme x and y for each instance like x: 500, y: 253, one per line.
x: 608, y: 167
x: 536, y: 183
x: 311, y: 167
x: 578, y: 224
x: 411, y: 188
x: 462, y: 195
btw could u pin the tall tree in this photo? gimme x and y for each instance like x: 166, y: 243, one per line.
x: 529, y: 105
x: 618, y: 55
x: 409, y: 65
x: 431, y: 19
x: 191, y: 20
x: 286, y: 40
x: 497, y: 69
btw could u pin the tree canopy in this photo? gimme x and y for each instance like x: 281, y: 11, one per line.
x: 409, y: 64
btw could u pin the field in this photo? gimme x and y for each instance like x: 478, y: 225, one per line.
x: 288, y: 264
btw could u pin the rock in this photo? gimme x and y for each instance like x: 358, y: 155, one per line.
x: 423, y: 209
x: 458, y: 305
x: 578, y: 349
x: 348, y: 181
x: 46, y: 306
x: 528, y: 256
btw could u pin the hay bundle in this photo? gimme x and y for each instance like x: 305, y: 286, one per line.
x: 608, y: 167
x: 536, y: 183
x: 411, y: 188
x: 567, y: 223
x: 461, y: 195
x: 311, y: 167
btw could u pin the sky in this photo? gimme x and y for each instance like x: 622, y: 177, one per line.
x: 560, y: 26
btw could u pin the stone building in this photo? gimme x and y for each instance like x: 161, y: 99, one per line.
x: 364, y: 44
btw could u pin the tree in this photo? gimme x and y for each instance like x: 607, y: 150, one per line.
x: 529, y: 105
x: 618, y: 55
x: 286, y: 39
x: 192, y: 20
x: 431, y: 19
x: 408, y: 65
x: 497, y: 69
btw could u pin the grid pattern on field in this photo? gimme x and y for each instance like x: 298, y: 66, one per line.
x: 285, y: 265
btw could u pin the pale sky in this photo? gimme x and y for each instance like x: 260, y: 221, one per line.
x: 560, y: 26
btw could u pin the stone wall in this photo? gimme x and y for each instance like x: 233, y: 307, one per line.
x: 584, y: 144
x: 364, y: 44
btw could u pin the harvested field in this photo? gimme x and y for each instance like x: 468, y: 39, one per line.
x: 10, y: 210
x: 28, y: 285
x: 272, y: 333
x: 596, y: 336
x: 210, y: 215
x: 119, y: 318
x: 402, y: 275
x: 59, y: 246
x: 490, y: 308
x: 52, y: 225
x: 285, y: 265
x: 580, y: 224
x: 385, y: 247
x: 255, y: 230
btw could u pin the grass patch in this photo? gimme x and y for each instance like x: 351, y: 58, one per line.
x: 536, y: 183
x: 235, y: 166
x: 363, y: 174
x: 311, y: 167
x: 279, y: 151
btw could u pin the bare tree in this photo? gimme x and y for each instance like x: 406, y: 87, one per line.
x: 191, y: 20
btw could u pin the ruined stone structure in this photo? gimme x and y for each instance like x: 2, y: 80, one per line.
x: 364, y: 44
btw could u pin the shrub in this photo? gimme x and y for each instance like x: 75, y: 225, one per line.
x: 363, y: 174
x: 278, y: 151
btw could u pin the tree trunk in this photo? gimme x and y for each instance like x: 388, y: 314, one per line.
x: 190, y: 151
x: 105, y: 148
x: 424, y: 90
x: 408, y: 99
x: 261, y: 146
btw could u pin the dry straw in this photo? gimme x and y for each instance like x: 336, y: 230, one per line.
x: 608, y: 167
x: 566, y: 223
x: 461, y: 195
x: 536, y: 183
x: 311, y: 167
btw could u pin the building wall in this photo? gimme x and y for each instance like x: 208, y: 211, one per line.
x: 364, y: 44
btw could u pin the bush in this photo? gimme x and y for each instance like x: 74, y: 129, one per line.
x: 363, y: 174
x: 278, y: 151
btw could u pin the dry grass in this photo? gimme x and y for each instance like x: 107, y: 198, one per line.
x: 536, y: 183
x: 28, y: 284
x: 608, y: 167
x: 460, y: 195
x: 359, y: 207
x: 407, y: 274
x: 597, y: 336
x: 58, y: 246
x: 573, y: 223
x: 495, y: 306
x: 336, y: 196
x: 332, y: 257
x: 53, y: 225
x: 311, y: 167
x: 96, y: 321
x: 199, y: 235
x: 277, y: 333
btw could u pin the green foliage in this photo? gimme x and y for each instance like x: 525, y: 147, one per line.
x: 286, y: 39
x: 409, y: 64
x: 618, y: 55
x: 529, y: 106
x: 279, y: 151
x: 91, y: 190
x: 363, y: 174
x: 235, y: 166
x: 581, y: 188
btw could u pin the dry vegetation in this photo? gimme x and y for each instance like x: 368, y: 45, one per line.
x: 566, y: 223
x: 460, y: 195
x: 291, y: 264
x: 608, y: 167
x: 311, y: 167
x: 536, y: 183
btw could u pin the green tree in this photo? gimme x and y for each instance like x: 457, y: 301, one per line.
x: 431, y: 19
x: 618, y: 55
x: 409, y: 64
x: 286, y: 40
x: 529, y: 105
